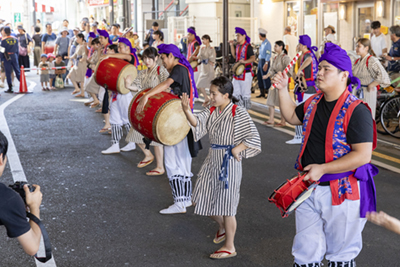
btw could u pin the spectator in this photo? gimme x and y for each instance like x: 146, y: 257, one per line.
x: 39, y: 24
x: 263, y: 63
x: 37, y: 50
x: 44, y: 72
x: 290, y: 42
x: 158, y: 39
x: 330, y: 34
x: 8, y: 24
x: 394, y: 53
x: 378, y: 42
x: 25, y: 46
x: 13, y: 210
x: 62, y: 44
x: 149, y: 37
x: 129, y: 35
x: 91, y: 19
x: 48, y: 40
x: 119, y: 30
x: 114, y: 33
x: 52, y: 73
x: 60, y: 63
x: 65, y: 25
x: 9, y: 57
x: 103, y: 25
x: 94, y: 28
x: 84, y: 24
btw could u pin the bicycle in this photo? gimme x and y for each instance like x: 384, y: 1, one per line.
x: 390, y: 116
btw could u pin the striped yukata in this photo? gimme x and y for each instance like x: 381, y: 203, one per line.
x: 367, y: 75
x: 147, y: 79
x: 210, y: 195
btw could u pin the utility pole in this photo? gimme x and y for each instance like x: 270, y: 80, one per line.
x: 112, y: 12
x: 34, y: 13
x: 225, y: 44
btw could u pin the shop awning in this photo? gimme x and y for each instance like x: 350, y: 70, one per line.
x: 99, y: 3
x: 43, y: 8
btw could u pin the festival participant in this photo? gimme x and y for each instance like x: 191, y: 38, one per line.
x: 243, y: 54
x: 178, y: 158
x: 148, y: 78
x: 338, y: 138
x: 263, y: 63
x: 207, y: 57
x: 92, y: 87
x: 233, y: 135
x: 119, y: 103
x: 370, y: 72
x: 308, y: 69
x: 194, y: 43
x: 77, y: 73
x: 278, y: 64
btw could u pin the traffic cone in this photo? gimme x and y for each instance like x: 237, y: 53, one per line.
x: 23, y: 89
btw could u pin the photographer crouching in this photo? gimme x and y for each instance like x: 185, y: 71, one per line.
x: 13, y: 211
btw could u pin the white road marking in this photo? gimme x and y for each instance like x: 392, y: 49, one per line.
x: 15, y: 164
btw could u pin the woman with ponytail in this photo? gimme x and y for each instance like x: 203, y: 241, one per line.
x: 370, y: 72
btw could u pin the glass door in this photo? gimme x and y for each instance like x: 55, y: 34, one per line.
x: 292, y: 16
x: 365, y: 15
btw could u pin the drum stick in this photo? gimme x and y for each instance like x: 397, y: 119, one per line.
x: 288, y: 67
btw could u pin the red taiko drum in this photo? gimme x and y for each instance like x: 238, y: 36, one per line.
x: 111, y: 73
x: 289, y: 195
x: 162, y: 119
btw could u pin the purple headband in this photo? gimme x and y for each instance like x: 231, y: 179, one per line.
x: 242, y: 32
x: 174, y: 50
x: 339, y: 58
x: 306, y: 40
x: 129, y: 44
x: 92, y: 35
x: 195, y: 35
x: 104, y: 33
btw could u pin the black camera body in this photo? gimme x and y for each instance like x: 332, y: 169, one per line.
x: 18, y: 186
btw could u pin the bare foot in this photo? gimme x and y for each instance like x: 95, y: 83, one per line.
x: 80, y: 95
x: 75, y: 92
x: 94, y: 104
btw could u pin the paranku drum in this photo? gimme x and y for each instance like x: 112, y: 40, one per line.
x: 162, y: 119
x: 301, y: 84
x: 111, y: 73
x: 289, y: 195
x: 238, y: 68
x: 194, y: 64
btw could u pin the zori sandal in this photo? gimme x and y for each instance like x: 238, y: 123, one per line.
x: 217, y: 255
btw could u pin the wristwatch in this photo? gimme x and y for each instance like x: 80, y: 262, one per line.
x: 392, y: 58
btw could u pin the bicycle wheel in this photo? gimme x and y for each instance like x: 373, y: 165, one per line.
x: 390, y: 116
x: 379, y: 104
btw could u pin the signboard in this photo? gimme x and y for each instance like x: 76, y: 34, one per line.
x: 98, y: 3
x: 17, y: 17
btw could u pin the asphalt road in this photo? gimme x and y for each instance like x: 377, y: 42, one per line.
x: 103, y: 211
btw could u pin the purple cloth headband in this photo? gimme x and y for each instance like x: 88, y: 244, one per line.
x: 338, y: 57
x: 104, y: 33
x: 129, y: 44
x: 174, y: 50
x: 242, y: 32
x: 306, y: 40
x: 92, y: 35
x: 195, y: 35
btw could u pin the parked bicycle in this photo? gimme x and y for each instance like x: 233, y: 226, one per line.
x: 390, y: 115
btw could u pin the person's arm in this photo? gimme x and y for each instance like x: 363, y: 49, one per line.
x: 305, y: 64
x: 250, y: 60
x: 286, y: 104
x: 232, y: 47
x: 158, y: 89
x: 43, y: 42
x: 383, y: 219
x: 30, y: 241
x: 120, y: 56
x: 187, y: 110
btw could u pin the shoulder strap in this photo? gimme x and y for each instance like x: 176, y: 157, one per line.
x: 212, y: 110
x: 368, y: 60
x: 357, y: 61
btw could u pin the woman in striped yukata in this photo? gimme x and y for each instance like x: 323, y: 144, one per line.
x: 148, y: 78
x: 233, y: 135
x: 370, y: 72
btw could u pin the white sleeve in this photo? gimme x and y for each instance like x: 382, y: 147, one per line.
x: 383, y: 43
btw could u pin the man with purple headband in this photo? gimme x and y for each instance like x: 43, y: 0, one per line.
x: 308, y: 69
x: 244, y: 54
x: 119, y: 104
x: 194, y: 43
x: 338, y: 138
x: 178, y: 158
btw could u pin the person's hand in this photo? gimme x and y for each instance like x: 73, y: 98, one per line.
x: 231, y: 42
x: 380, y: 218
x: 265, y: 67
x: 388, y: 58
x: 371, y: 88
x: 185, y: 102
x: 314, y: 172
x: 128, y: 81
x: 141, y: 104
x: 33, y: 199
x: 236, y: 153
x: 206, y: 101
x: 242, y: 61
x: 265, y: 76
x: 280, y: 80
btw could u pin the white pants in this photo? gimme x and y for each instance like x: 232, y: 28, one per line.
x: 101, y: 94
x: 299, y: 128
x: 178, y: 163
x: 242, y: 90
x: 196, y: 75
x: 119, y: 109
x: 323, y: 229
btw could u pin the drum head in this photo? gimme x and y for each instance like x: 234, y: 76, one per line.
x: 127, y: 70
x: 171, y: 125
x: 239, y: 70
x: 194, y: 64
x: 301, y: 198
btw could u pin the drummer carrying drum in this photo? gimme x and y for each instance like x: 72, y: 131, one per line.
x: 119, y: 103
x: 194, y: 43
x: 178, y: 158
x: 338, y: 138
x: 244, y: 55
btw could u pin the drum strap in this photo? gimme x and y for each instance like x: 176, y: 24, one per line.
x: 233, y: 110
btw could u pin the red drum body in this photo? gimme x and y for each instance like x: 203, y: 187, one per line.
x: 162, y: 119
x: 289, y: 195
x: 111, y: 73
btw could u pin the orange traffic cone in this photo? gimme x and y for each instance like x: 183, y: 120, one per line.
x: 23, y: 89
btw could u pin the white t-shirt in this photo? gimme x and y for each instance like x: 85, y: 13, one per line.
x: 378, y: 43
x: 292, y: 42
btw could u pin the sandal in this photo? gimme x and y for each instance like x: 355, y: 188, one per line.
x: 280, y: 125
x: 98, y: 110
x: 219, y: 238
x: 93, y: 105
x: 104, y: 130
x: 80, y: 95
x: 154, y: 173
x: 269, y: 123
x: 75, y: 92
x: 217, y: 255
x: 88, y: 103
x: 144, y: 163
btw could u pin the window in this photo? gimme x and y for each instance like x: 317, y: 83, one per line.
x: 311, y: 19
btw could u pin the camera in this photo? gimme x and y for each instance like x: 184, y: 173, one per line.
x: 19, y: 188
